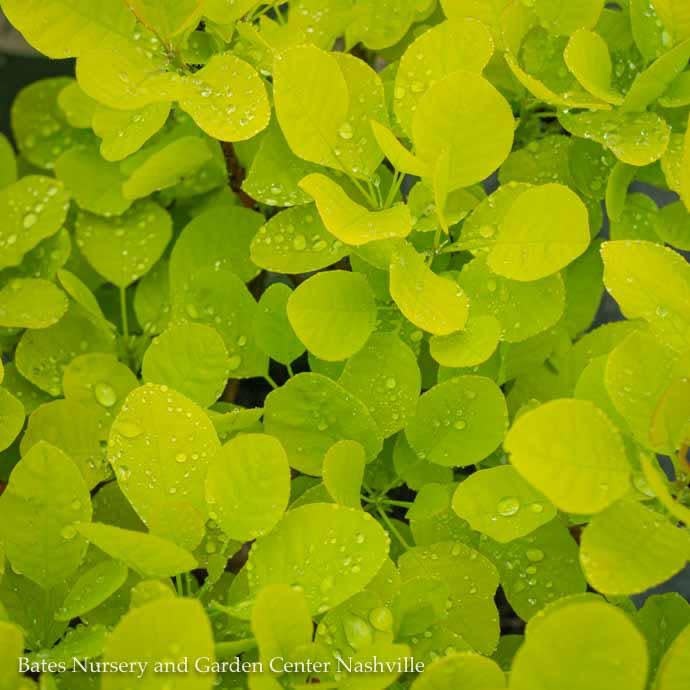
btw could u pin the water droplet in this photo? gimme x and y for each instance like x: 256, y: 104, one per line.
x: 391, y: 383
x: 537, y: 508
x: 68, y: 532
x: 234, y: 362
x: 128, y: 429
x: 508, y: 506
x: 181, y: 458
x: 30, y: 220
x: 105, y: 394
x: 460, y: 424
x: 382, y: 619
x: 535, y: 555
x: 346, y: 132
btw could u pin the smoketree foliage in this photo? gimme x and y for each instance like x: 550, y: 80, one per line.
x: 451, y: 446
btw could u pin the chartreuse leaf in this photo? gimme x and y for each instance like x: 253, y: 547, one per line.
x: 125, y: 248
x: 673, y: 225
x: 665, y: 305
x: 461, y: 44
x: 499, y: 503
x: 471, y: 581
x: 218, y: 239
x: 563, y: 20
x: 167, y: 629
x: 275, y: 173
x: 459, y: 422
x: 469, y: 347
x: 227, y: 99
x: 401, y: 159
x: 248, y: 486
x: 310, y: 413
x: 221, y: 299
x: 147, y: 554
x: 167, y: 166
x: 81, y: 294
x: 342, y: 550
x: 99, y: 378
x: 152, y: 304
x: 343, y: 472
x: 39, y: 125
x: 33, y: 208
x: 281, y: 622
x: 8, y: 162
x: 537, y: 569
x: 95, y: 184
x: 527, y: 247
x: 31, y: 303
x: 670, y: 425
x: 54, y: 423
x: 42, y: 354
x: 522, y: 309
x: 92, y: 588
x: 674, y: 671
x: 380, y: 24
x: 274, y: 334
x: 29, y: 395
x: 77, y: 106
x: 635, y: 138
x: 551, y: 656
x: 296, y: 241
x: 464, y: 670
x: 168, y: 19
x: 12, y: 415
x: 66, y: 28
x: 588, y: 58
x: 190, y: 358
x: 465, y: 115
x: 333, y: 314
x: 160, y: 446
x: 433, y: 303
x: 124, y: 132
x: 350, y: 222
x: 12, y: 647
x: 675, y: 17
x: 571, y: 452
x: 653, y: 82
x: 385, y: 375
x: 311, y: 101
x: 610, y: 549
x: 45, y: 497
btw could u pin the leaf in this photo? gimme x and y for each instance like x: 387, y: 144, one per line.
x: 221, y: 300
x: 635, y: 138
x: 381, y: 23
x: 343, y: 472
x: 190, y: 359
x: 333, y: 314
x: 274, y: 334
x: 152, y: 305
x: 296, y: 241
x: 33, y: 209
x: 665, y: 305
x: 169, y: 629
x: 620, y: 179
x: 499, y: 503
x: 564, y: 19
x: 45, y: 497
x: 310, y: 413
x: 95, y: 184
x: 66, y: 28
x: 401, y: 159
x: 551, y: 656
x: 124, y: 132
x: 673, y: 672
x: 12, y: 417
x: 461, y: 44
x: 385, y: 374
x: 8, y: 162
x: 350, y: 222
x: 527, y: 248
x: 281, y: 623
x: 522, y: 309
x: 81, y: 294
x: 31, y: 303
x: 673, y: 225
x: 248, y: 486
x: 588, y: 58
x: 471, y: 580
x: 167, y: 19
x: 467, y: 348
x: 610, y: 549
x: 433, y: 303
x: 125, y: 248
x: 92, y: 588
x: 464, y: 670
x: 160, y: 446
x: 167, y: 167
x: 144, y: 553
x: 334, y: 540
x: 538, y: 569
x: 459, y: 422
x: 570, y: 451
x: 466, y: 115
x: 12, y: 646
